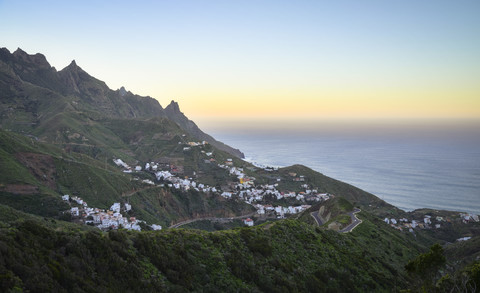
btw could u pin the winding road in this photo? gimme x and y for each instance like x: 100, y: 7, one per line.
x: 317, y: 218
x: 355, y: 221
x: 210, y: 219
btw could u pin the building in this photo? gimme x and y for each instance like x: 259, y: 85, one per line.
x: 75, y: 211
x: 249, y: 222
x: 115, y: 207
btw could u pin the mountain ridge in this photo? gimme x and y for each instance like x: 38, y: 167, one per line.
x: 66, y: 134
x: 173, y: 112
x: 78, y: 87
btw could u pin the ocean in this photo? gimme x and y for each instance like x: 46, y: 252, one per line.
x: 409, y: 167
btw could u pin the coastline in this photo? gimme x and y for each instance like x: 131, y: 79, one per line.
x: 439, y: 174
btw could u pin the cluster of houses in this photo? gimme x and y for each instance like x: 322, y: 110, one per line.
x: 244, y: 190
x: 183, y: 184
x: 127, y: 168
x: 251, y: 194
x: 404, y: 223
x: 428, y: 222
x: 105, y: 219
x: 280, y: 211
x: 468, y: 218
x: 191, y: 144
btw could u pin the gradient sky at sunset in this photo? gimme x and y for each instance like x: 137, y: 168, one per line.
x: 234, y: 60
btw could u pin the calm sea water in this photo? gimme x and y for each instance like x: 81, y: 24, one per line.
x: 410, y: 169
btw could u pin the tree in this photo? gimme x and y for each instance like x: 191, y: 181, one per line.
x: 425, y: 268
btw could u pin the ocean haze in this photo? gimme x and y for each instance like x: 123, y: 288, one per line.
x: 410, y: 165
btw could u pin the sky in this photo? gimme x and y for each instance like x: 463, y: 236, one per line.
x: 240, y: 61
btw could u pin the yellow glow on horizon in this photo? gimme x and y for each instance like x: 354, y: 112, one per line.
x: 333, y: 103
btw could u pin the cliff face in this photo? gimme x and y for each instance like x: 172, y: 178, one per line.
x: 37, y: 92
x: 173, y: 113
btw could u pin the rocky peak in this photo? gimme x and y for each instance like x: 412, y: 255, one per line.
x: 73, y: 67
x: 122, y: 91
x: 20, y: 53
x: 4, y: 51
x: 4, y: 54
x: 173, y: 108
x: 38, y: 60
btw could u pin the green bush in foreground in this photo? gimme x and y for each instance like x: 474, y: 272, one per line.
x: 287, y: 256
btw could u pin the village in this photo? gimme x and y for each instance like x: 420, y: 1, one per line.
x: 429, y: 222
x: 105, y: 219
x: 259, y: 196
x: 243, y: 188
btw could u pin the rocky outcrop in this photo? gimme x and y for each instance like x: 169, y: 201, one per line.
x: 75, y: 89
x: 173, y: 113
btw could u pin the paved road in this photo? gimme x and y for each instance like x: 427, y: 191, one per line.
x: 317, y: 218
x: 139, y: 190
x: 355, y: 221
x: 210, y: 219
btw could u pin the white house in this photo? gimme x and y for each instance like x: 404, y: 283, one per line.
x: 97, y: 219
x: 75, y: 211
x: 115, y: 207
x: 248, y: 222
x: 138, y: 168
x: 414, y: 224
x: 269, y: 207
x: 148, y: 181
x: 156, y: 227
x: 163, y: 174
x: 119, y: 162
x: 66, y: 197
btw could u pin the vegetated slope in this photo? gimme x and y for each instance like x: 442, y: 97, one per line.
x: 72, y: 126
x: 34, y: 175
x: 169, y: 206
x: 356, y: 196
x: 333, y: 213
x: 462, y: 253
x: 286, y: 256
x: 173, y: 112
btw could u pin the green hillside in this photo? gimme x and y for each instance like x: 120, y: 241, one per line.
x: 66, y: 133
x: 34, y: 175
x: 291, y: 256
